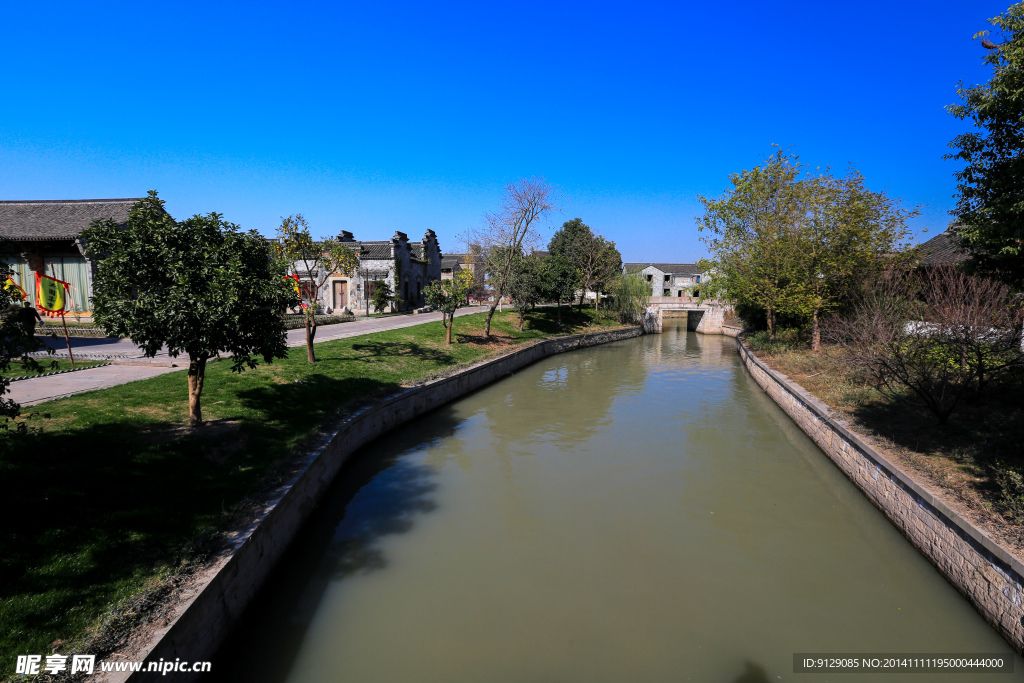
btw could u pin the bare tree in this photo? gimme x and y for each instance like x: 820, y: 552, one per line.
x: 509, y: 232
x: 942, y: 335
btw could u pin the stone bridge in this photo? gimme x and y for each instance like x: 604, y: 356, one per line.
x: 702, y: 315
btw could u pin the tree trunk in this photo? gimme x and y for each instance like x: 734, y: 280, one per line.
x: 487, y: 320
x: 522, y: 316
x: 196, y: 374
x: 815, y: 332
x: 770, y: 316
x: 310, y: 335
x: 558, y: 306
x: 449, y: 326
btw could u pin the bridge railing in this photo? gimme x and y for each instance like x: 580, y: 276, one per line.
x: 684, y: 300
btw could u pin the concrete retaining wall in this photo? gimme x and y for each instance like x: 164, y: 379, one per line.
x: 203, y: 619
x: 982, y: 570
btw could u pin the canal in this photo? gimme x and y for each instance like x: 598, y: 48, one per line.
x: 638, y: 511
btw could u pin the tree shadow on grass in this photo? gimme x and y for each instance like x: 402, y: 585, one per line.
x: 301, y: 404
x: 370, y: 351
x: 378, y: 493
x: 88, y: 512
x: 91, y: 510
x: 982, y: 438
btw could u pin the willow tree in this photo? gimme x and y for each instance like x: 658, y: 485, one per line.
x: 199, y: 286
x: 313, y: 261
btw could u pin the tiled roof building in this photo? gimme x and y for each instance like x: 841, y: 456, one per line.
x: 43, y: 236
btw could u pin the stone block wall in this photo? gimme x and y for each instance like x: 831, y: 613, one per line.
x: 983, y: 571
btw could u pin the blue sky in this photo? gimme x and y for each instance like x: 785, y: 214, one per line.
x: 376, y: 117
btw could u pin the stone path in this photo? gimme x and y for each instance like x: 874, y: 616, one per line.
x: 130, y: 365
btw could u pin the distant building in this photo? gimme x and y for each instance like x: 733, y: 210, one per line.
x: 449, y: 267
x: 417, y: 263
x: 942, y: 250
x: 43, y: 236
x: 668, y: 279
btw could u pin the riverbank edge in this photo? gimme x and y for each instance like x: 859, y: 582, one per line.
x: 982, y: 570
x: 204, y: 614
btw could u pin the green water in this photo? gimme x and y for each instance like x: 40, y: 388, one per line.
x: 638, y: 511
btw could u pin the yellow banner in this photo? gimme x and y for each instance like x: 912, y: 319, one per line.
x: 14, y: 289
x: 51, y: 294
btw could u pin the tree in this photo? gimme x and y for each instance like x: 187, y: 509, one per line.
x: 448, y: 296
x: 600, y: 262
x: 199, y: 286
x: 595, y: 259
x: 17, y: 338
x: 750, y: 235
x: 511, y: 230
x: 314, y: 261
x: 990, y: 185
x: 846, y: 232
x: 560, y: 281
x: 526, y: 285
x: 631, y: 294
x: 382, y: 295
x: 931, y: 340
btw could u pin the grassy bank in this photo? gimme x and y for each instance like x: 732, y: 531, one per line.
x: 18, y: 369
x: 974, y: 462
x: 114, y: 499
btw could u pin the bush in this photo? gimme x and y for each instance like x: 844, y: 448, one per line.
x: 931, y: 339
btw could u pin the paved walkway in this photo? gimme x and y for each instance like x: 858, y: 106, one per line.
x: 130, y: 365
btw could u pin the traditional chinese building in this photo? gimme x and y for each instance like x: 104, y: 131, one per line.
x: 406, y: 266
x: 44, y: 237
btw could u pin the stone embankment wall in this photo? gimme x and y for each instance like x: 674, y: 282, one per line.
x: 983, y: 571
x: 200, y: 621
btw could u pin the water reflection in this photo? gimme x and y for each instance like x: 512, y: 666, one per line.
x: 637, y: 511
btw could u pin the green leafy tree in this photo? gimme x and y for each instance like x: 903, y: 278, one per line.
x: 847, y: 231
x: 448, y: 296
x: 750, y: 234
x: 17, y: 338
x: 991, y: 185
x: 595, y: 259
x: 200, y: 287
x: 631, y: 293
x: 381, y: 295
x: 314, y: 261
x: 560, y: 281
x: 526, y: 286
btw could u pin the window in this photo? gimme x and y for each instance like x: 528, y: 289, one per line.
x: 666, y: 292
x: 649, y: 277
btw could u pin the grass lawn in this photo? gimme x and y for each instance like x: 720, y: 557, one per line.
x: 970, y: 462
x: 17, y: 369
x: 114, y: 496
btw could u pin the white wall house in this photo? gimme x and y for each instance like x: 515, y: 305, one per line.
x: 669, y: 279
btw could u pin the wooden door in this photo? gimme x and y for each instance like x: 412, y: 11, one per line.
x: 340, y: 294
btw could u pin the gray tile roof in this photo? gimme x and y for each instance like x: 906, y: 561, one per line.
x: 374, y: 251
x: 670, y: 268
x: 450, y: 263
x: 942, y: 250
x: 58, y: 219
